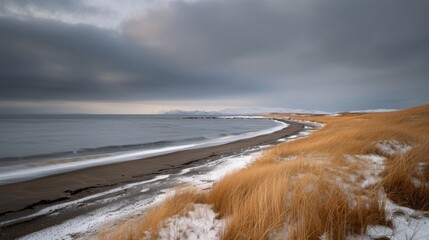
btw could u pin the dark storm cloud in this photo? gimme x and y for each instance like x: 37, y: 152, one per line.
x: 327, y: 55
x: 55, y: 61
x: 352, y: 31
x: 361, y: 52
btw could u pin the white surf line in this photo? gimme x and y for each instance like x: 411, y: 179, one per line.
x: 228, y: 139
x: 37, y: 172
x: 306, y: 131
x: 52, y: 209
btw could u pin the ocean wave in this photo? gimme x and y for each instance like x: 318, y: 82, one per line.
x: 105, y: 149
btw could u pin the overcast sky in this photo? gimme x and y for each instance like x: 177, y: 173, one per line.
x: 146, y: 56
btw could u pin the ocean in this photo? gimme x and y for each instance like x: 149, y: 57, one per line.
x: 33, y: 146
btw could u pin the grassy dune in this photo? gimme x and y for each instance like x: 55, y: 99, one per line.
x: 333, y: 183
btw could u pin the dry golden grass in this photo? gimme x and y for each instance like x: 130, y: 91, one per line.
x: 406, y: 179
x: 358, y: 133
x: 179, y: 203
x: 296, y: 195
x: 318, y: 184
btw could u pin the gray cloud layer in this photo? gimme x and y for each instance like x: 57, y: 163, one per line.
x: 327, y: 52
x: 54, y: 61
x: 54, y: 6
x: 328, y: 55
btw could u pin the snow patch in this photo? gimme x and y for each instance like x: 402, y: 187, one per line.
x: 418, y: 183
x: 373, y: 158
x: 227, y: 166
x: 199, y: 223
x: 280, y: 233
x: 407, y: 224
x: 391, y: 147
x: 290, y: 158
x: 375, y: 165
x: 369, y: 181
x: 54, y: 208
x: 421, y: 168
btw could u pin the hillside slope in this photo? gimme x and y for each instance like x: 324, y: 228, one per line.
x: 361, y: 176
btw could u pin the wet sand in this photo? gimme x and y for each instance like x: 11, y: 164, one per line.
x: 23, y: 198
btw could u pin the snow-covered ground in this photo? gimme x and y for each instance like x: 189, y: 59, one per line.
x: 406, y: 223
x: 391, y: 147
x: 199, y: 223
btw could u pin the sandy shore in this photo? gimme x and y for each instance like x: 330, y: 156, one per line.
x: 24, y: 198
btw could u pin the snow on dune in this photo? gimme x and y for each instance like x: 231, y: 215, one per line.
x: 225, y: 166
x: 199, y: 223
x: 391, y: 147
x: 407, y: 224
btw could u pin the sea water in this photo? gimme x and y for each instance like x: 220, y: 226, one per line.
x: 33, y: 146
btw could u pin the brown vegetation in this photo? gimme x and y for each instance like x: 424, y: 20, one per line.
x: 319, y: 185
x: 180, y: 203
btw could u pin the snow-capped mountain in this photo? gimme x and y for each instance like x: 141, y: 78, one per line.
x: 245, y: 111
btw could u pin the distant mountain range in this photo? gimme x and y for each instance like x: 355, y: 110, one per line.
x: 374, y: 110
x: 264, y: 110
x: 245, y: 111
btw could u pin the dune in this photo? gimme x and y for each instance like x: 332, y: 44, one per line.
x: 361, y: 176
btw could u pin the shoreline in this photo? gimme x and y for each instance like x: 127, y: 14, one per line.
x: 58, y: 163
x: 24, y: 198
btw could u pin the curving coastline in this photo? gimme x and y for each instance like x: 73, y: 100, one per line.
x: 26, y: 197
x: 38, y: 166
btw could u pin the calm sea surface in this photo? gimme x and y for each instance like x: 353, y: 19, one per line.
x: 29, y: 135
x: 33, y: 146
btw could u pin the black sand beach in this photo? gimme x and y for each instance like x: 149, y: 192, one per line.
x: 24, y: 198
